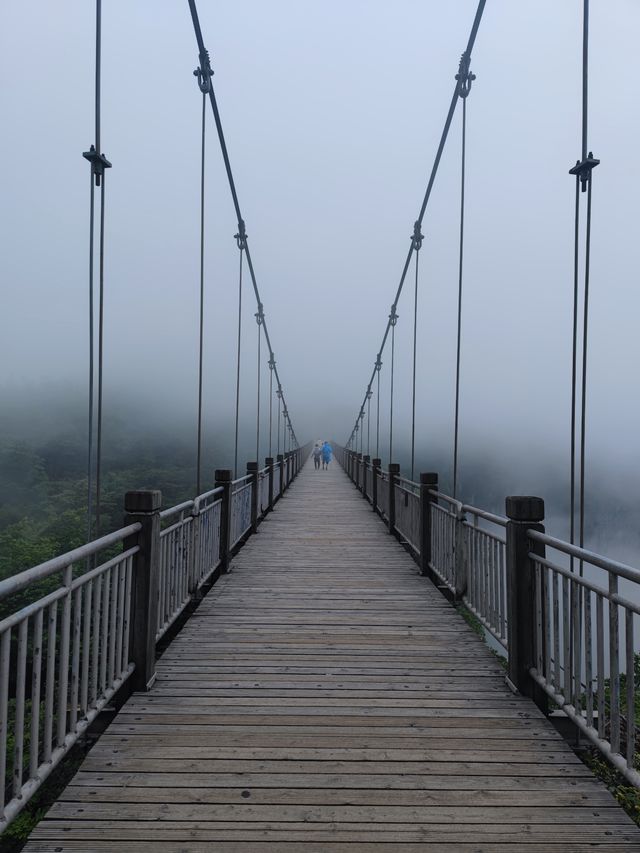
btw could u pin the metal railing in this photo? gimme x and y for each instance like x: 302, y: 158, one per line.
x: 573, y: 615
x: 407, y: 511
x: 76, y: 629
x: 485, y: 569
x: 241, y: 507
x: 586, y: 644
x: 63, y: 655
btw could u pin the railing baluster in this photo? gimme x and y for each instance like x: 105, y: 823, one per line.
x: 63, y: 676
x: 600, y: 664
x: 86, y: 647
x: 49, y: 710
x: 115, y: 581
x: 588, y: 656
x: 21, y: 673
x: 104, y: 644
x: 5, y: 666
x: 614, y: 666
x: 36, y: 678
x: 75, y: 658
x: 127, y: 614
x: 95, y: 650
x: 630, y: 684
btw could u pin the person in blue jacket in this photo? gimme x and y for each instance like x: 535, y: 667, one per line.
x: 326, y: 455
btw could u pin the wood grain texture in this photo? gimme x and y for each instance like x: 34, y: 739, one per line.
x: 324, y: 697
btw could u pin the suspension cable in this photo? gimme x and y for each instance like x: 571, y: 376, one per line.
x: 201, y: 83
x: 240, y: 240
x: 583, y: 171
x: 279, y: 395
x: 393, y: 319
x: 434, y: 170
x: 259, y: 321
x: 205, y: 66
x: 465, y: 79
x: 417, y: 245
x: 378, y: 368
x: 271, y: 366
x: 99, y: 164
x: 369, y: 395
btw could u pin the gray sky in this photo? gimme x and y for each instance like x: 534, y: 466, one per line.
x: 332, y: 114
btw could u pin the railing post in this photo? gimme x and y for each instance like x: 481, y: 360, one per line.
x: 269, y: 464
x: 460, y: 567
x: 143, y: 507
x: 524, y: 513
x: 375, y: 469
x: 428, y: 483
x: 365, y: 464
x: 394, y: 470
x: 280, y: 458
x: 252, y: 469
x: 223, y: 479
x: 358, y: 461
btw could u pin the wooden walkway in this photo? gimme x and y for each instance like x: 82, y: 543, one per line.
x: 324, y: 697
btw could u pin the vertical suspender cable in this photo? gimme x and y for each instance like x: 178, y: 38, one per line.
x: 240, y: 241
x: 417, y: 245
x: 378, y: 368
x: 98, y: 165
x: 271, y: 363
x: 279, y: 395
x: 100, y: 361
x: 369, y: 423
x: 202, y: 164
x: 91, y: 363
x: 465, y: 79
x: 393, y: 318
x: 259, y: 322
x: 583, y: 170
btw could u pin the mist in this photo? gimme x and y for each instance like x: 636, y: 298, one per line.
x: 332, y: 115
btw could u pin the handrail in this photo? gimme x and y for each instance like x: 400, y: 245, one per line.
x: 500, y: 520
x: 175, y: 510
x: 16, y: 583
x: 617, y: 568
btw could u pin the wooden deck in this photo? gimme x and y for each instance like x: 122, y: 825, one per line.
x: 324, y: 697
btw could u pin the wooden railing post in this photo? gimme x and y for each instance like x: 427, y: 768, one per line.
x: 358, y: 477
x: 428, y: 483
x: 375, y: 470
x: 269, y: 464
x: 280, y: 463
x: 460, y: 567
x: 252, y: 469
x: 143, y: 507
x: 223, y: 479
x: 394, y: 470
x: 365, y: 474
x: 524, y: 513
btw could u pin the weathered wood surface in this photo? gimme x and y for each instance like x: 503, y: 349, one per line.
x: 324, y: 697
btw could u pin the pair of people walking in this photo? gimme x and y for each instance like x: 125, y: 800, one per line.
x: 322, y: 454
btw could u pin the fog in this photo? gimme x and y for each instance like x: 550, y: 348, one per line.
x: 332, y: 114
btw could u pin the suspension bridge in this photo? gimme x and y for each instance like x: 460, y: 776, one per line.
x: 341, y: 659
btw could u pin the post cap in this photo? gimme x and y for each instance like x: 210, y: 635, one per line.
x: 223, y: 475
x: 252, y: 467
x: 280, y: 457
x: 394, y: 468
x: 429, y: 478
x: 366, y: 457
x: 376, y: 462
x: 268, y: 460
x: 143, y: 501
x: 524, y: 508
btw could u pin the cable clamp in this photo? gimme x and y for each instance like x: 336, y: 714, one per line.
x: 393, y: 317
x: 241, y: 236
x: 583, y: 169
x: 378, y: 364
x: 98, y: 163
x: 417, y: 237
x: 259, y: 315
x: 272, y: 363
x: 369, y: 394
x: 464, y: 76
x: 204, y: 73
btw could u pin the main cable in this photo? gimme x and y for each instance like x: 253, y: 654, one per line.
x: 434, y: 170
x: 465, y: 79
x: 205, y: 66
